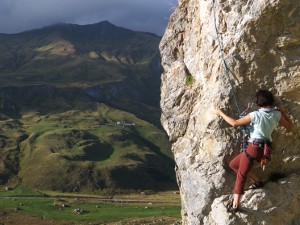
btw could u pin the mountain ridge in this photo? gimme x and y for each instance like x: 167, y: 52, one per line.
x: 56, y: 58
x: 103, y: 25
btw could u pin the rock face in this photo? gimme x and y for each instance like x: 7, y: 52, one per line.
x: 221, y: 53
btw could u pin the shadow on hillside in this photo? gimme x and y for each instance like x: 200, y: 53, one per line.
x: 94, y: 151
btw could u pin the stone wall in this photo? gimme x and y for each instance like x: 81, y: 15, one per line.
x: 259, y: 41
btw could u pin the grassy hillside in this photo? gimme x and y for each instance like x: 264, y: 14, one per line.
x: 102, y: 149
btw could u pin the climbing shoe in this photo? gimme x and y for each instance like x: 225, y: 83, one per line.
x: 256, y: 185
x: 229, y: 204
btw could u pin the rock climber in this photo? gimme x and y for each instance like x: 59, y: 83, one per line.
x: 262, y: 123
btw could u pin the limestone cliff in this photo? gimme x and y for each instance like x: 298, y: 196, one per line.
x: 217, y: 52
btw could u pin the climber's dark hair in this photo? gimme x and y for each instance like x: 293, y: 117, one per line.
x: 264, y: 98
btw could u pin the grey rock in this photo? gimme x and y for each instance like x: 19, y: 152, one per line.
x: 260, y: 44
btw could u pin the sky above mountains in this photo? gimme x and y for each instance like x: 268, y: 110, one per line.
x: 139, y: 15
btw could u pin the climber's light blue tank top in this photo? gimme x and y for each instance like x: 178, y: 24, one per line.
x: 263, y: 122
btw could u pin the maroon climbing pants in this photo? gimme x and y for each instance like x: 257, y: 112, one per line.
x: 242, y: 165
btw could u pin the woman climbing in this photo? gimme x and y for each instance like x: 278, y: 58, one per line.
x: 262, y: 123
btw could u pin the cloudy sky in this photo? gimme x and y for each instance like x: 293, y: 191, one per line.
x: 139, y: 15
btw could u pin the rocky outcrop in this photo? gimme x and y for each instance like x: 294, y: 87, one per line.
x: 220, y: 53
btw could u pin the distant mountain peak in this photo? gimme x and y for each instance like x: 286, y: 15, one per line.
x: 103, y: 29
x: 106, y: 22
x: 66, y: 25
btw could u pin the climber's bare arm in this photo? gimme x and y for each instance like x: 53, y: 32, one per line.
x: 233, y: 122
x: 285, y: 123
x: 285, y: 120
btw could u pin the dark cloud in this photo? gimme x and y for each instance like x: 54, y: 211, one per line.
x: 141, y: 15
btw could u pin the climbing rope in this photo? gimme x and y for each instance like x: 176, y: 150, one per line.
x: 221, y: 51
x: 245, y: 131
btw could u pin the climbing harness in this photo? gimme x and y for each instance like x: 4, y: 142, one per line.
x: 266, y: 147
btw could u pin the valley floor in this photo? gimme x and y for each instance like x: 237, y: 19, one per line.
x: 130, y: 210
x: 17, y: 218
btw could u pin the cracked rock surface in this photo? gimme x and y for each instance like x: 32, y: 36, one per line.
x: 259, y: 41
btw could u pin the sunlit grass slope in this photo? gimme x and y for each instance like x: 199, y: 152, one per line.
x: 102, y: 149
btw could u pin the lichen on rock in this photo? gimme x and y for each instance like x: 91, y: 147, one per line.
x: 259, y: 41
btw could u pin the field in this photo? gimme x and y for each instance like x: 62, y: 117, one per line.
x: 30, y: 207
